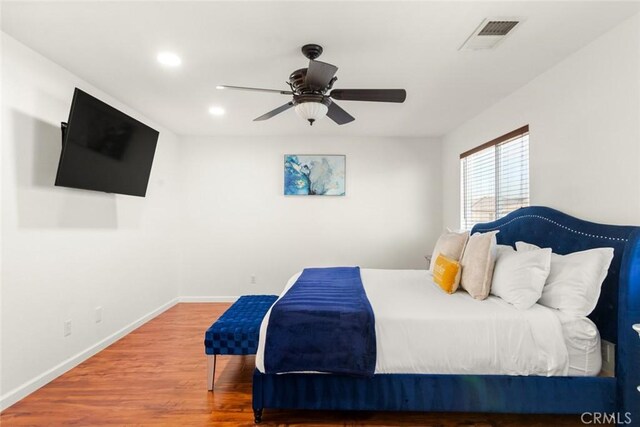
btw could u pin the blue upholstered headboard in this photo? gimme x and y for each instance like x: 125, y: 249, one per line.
x: 619, y: 305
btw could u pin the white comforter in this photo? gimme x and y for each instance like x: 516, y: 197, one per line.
x: 422, y: 330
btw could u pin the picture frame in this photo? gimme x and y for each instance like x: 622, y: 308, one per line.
x: 314, y: 174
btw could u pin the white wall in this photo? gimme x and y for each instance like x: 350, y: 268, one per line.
x: 214, y: 213
x: 584, y: 117
x: 213, y: 216
x: 65, y: 251
x: 236, y: 221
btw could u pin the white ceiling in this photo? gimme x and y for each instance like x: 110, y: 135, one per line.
x: 411, y: 45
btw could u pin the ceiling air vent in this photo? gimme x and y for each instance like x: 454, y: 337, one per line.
x: 489, y: 33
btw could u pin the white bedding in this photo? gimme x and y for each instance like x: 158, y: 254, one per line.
x: 582, y: 339
x: 422, y: 330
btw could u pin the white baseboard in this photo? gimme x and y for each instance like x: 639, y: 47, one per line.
x: 208, y: 299
x: 29, y: 387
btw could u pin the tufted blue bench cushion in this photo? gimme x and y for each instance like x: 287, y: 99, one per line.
x: 237, y: 330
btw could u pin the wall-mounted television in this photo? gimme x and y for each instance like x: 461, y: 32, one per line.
x: 104, y: 149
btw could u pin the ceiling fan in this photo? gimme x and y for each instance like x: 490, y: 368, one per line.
x: 313, y: 97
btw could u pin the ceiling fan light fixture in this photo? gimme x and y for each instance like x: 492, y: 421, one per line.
x: 311, y: 111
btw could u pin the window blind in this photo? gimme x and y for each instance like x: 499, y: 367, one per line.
x: 495, y: 178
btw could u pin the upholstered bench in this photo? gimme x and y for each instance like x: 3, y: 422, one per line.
x: 236, y: 332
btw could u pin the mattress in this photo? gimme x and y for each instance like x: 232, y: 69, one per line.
x: 422, y: 330
x: 582, y: 339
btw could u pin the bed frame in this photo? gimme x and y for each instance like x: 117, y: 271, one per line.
x: 617, y: 398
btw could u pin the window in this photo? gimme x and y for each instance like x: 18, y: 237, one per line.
x: 495, y: 178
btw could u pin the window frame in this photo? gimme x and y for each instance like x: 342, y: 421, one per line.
x: 507, y: 137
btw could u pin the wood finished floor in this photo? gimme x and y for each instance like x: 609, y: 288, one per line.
x: 156, y: 376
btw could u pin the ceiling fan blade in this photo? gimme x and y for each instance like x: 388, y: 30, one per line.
x: 255, y: 89
x: 272, y: 113
x: 338, y: 115
x: 376, y: 95
x: 319, y: 74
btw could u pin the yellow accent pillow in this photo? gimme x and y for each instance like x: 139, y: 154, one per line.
x: 446, y: 274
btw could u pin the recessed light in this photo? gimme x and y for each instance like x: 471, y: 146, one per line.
x: 169, y: 59
x: 216, y: 111
x: 220, y: 87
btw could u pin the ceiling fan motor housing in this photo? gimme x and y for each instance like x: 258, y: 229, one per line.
x: 301, y: 99
x: 297, y: 79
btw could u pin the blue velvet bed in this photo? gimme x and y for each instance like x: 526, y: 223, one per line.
x: 617, y: 311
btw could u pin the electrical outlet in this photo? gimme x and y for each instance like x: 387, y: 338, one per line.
x: 253, y: 279
x: 98, y: 314
x: 67, y: 328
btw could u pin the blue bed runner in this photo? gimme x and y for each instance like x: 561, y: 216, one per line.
x: 324, y: 323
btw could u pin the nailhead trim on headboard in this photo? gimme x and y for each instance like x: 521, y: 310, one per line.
x: 620, y: 239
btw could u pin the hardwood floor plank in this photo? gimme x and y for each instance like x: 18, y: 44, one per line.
x: 156, y: 376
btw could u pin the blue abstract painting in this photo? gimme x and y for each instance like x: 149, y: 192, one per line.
x: 320, y: 175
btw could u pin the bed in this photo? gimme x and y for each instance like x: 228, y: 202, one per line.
x: 541, y: 373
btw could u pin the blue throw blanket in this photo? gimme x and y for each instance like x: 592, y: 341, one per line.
x: 323, y: 323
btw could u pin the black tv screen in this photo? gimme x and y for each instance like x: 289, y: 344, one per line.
x: 104, y: 149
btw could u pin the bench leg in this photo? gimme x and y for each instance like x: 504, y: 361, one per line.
x: 211, y: 370
x: 257, y: 416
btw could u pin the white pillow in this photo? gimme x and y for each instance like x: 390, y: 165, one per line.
x: 503, y: 250
x: 519, y: 277
x: 574, y: 281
